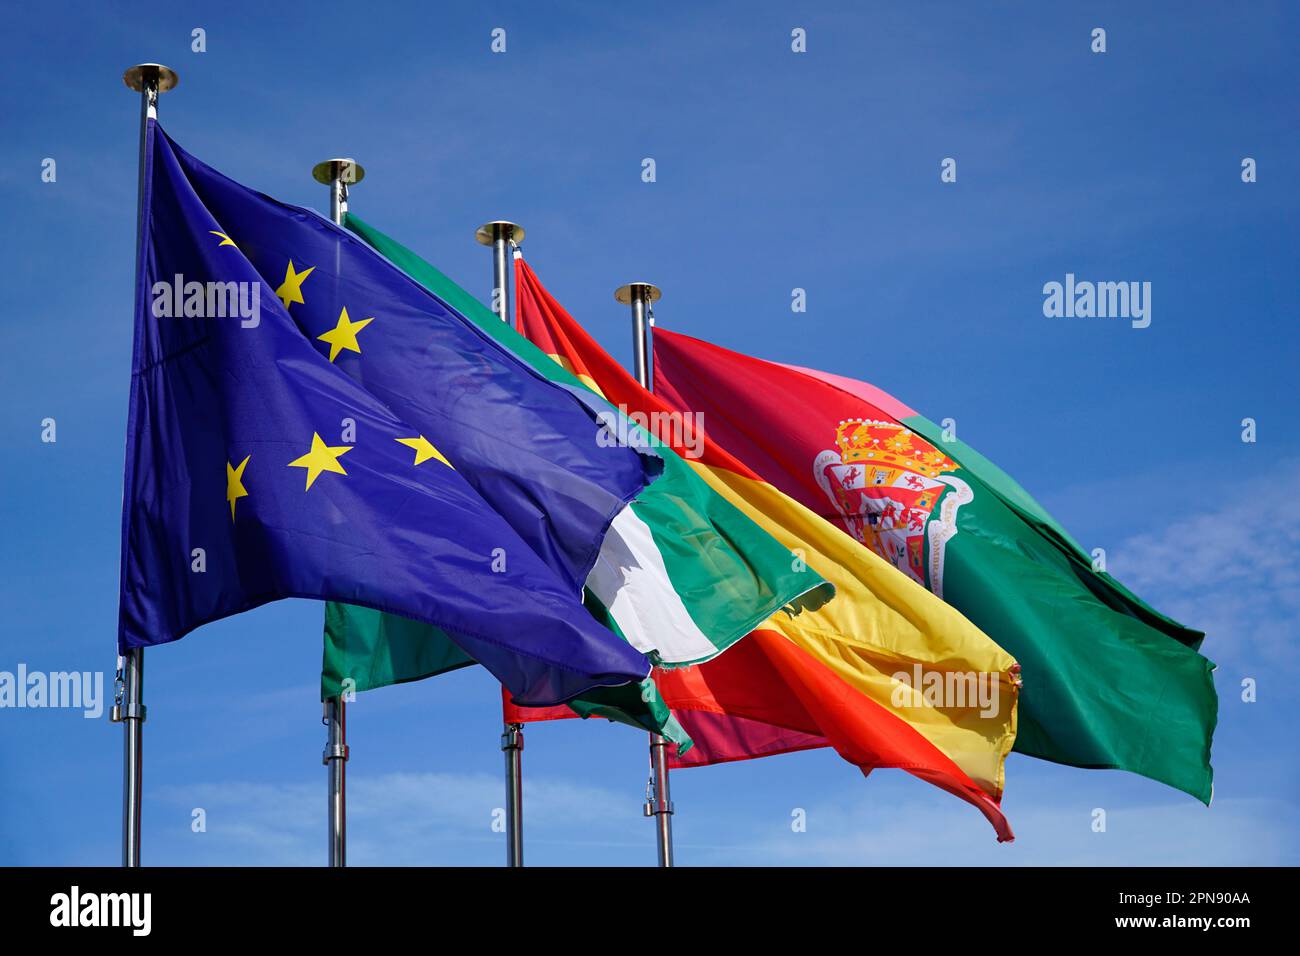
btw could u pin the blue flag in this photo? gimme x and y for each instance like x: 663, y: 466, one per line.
x: 264, y: 462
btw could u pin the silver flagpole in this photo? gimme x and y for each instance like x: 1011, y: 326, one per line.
x: 641, y: 296
x: 501, y: 235
x: 512, y: 744
x: 338, y: 174
x: 149, y: 80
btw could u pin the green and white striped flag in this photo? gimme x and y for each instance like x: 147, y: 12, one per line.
x: 682, y: 573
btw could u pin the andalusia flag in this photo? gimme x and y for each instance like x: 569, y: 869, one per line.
x: 682, y: 573
x: 886, y: 673
x: 1108, y: 680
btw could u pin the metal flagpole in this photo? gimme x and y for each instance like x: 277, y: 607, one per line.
x: 512, y: 745
x: 641, y: 296
x: 500, y: 235
x: 338, y: 174
x: 149, y: 80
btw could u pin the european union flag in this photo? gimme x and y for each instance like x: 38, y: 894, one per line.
x: 265, y: 457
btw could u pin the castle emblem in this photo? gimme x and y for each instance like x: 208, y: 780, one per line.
x: 893, y: 491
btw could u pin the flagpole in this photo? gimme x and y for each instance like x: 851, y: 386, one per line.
x: 149, y: 80
x: 338, y: 174
x: 512, y: 745
x: 500, y: 235
x: 641, y: 296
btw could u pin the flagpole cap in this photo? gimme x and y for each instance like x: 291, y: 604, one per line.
x: 345, y: 170
x: 650, y: 293
x: 487, y: 233
x: 147, y: 74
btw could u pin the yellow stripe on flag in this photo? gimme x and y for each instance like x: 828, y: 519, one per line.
x: 881, y: 624
x: 581, y: 376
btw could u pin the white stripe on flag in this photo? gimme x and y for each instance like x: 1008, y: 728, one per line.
x: 630, y: 579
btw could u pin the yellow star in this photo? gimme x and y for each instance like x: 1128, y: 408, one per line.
x: 291, y: 288
x: 344, y: 335
x: 424, y: 450
x: 235, y: 485
x: 225, y: 239
x: 322, y: 457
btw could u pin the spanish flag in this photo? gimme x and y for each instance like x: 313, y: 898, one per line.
x: 886, y: 673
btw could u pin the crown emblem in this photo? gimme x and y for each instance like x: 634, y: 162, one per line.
x: 889, y: 446
x: 895, y: 493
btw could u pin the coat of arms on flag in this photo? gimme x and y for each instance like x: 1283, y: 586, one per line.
x: 892, y: 490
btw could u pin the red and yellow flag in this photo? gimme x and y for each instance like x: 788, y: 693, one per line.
x: 885, y: 672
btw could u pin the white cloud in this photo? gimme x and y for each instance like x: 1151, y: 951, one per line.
x: 1054, y: 832
x: 1231, y: 569
x: 436, y: 819
x: 399, y: 819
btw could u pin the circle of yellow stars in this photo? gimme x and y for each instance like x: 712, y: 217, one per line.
x: 320, y: 457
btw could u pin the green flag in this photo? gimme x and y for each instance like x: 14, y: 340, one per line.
x: 704, y: 574
x: 365, y: 649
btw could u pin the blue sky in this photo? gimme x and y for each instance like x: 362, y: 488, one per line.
x: 775, y: 170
